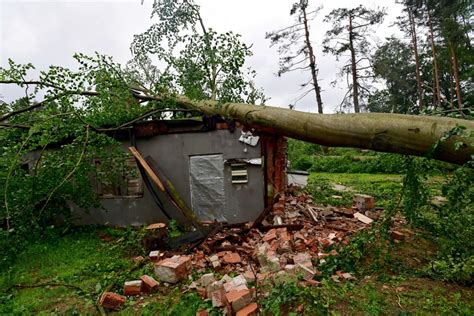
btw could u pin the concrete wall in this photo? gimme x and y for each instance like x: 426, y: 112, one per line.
x: 244, y: 202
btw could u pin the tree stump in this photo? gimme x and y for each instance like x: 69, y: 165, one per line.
x: 155, y: 236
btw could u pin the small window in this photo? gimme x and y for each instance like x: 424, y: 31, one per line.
x: 239, y: 173
x: 124, y: 183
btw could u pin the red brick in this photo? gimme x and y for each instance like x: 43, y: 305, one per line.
x: 270, y: 235
x: 218, y: 298
x: 363, y: 202
x: 202, y: 292
x: 174, y: 269
x: 232, y: 257
x: 132, y: 287
x: 154, y: 255
x: 112, y: 300
x: 239, y: 299
x: 249, y: 310
x: 149, y: 284
x: 249, y: 276
x: 202, y: 313
x: 278, y: 208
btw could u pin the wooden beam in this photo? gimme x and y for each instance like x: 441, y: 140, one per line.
x: 147, y: 168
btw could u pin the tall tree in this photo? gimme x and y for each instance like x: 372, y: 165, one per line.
x: 196, y: 61
x: 451, y: 18
x: 349, y: 33
x: 296, y: 49
x: 408, y: 23
x: 392, y: 63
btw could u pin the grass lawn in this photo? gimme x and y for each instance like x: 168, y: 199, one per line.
x: 68, y: 273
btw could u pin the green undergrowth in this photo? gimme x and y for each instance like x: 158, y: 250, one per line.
x: 314, y: 158
x: 97, y: 259
x: 66, y: 274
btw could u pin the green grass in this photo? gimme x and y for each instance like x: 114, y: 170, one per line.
x: 93, y: 260
x: 386, y: 188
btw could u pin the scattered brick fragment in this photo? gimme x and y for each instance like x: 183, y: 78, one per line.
x: 154, y: 255
x: 112, y: 300
x: 363, y: 202
x: 132, y: 287
x: 174, y: 269
x: 149, y: 284
x: 249, y: 310
x: 202, y: 313
x: 239, y: 299
x: 364, y: 219
x: 270, y: 235
x: 232, y: 257
x: 207, y: 279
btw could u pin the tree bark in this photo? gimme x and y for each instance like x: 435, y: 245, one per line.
x: 395, y: 133
x: 355, y: 84
x: 312, y: 63
x: 456, y: 77
x: 414, y: 40
x: 437, y: 92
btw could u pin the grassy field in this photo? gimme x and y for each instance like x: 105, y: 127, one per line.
x: 66, y: 272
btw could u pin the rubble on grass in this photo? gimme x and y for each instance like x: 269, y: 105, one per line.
x: 294, y: 237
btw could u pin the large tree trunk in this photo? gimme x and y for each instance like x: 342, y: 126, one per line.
x: 395, y: 133
x: 455, y: 65
x: 437, y: 89
x: 414, y: 40
x: 355, y: 84
x: 312, y: 64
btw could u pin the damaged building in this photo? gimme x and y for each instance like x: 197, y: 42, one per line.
x: 209, y: 170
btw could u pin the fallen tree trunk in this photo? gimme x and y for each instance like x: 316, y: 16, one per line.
x: 394, y: 133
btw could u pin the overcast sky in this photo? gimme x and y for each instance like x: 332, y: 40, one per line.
x: 50, y: 32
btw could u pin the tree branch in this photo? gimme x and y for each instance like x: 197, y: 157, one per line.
x: 40, y: 104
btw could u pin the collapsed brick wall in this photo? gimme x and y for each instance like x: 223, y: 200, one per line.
x: 274, y: 163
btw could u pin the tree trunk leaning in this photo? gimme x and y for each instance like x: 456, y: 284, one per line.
x: 394, y: 133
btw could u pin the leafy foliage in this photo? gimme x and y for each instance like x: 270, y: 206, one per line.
x: 198, y: 62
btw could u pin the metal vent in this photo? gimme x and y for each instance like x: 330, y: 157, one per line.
x: 239, y: 173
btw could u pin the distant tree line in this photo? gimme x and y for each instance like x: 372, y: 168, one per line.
x: 428, y: 69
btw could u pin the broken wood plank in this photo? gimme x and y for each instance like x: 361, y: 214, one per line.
x: 147, y: 168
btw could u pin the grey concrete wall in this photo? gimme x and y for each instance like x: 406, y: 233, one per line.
x: 244, y: 202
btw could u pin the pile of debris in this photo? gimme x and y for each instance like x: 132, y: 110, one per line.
x: 291, y: 238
